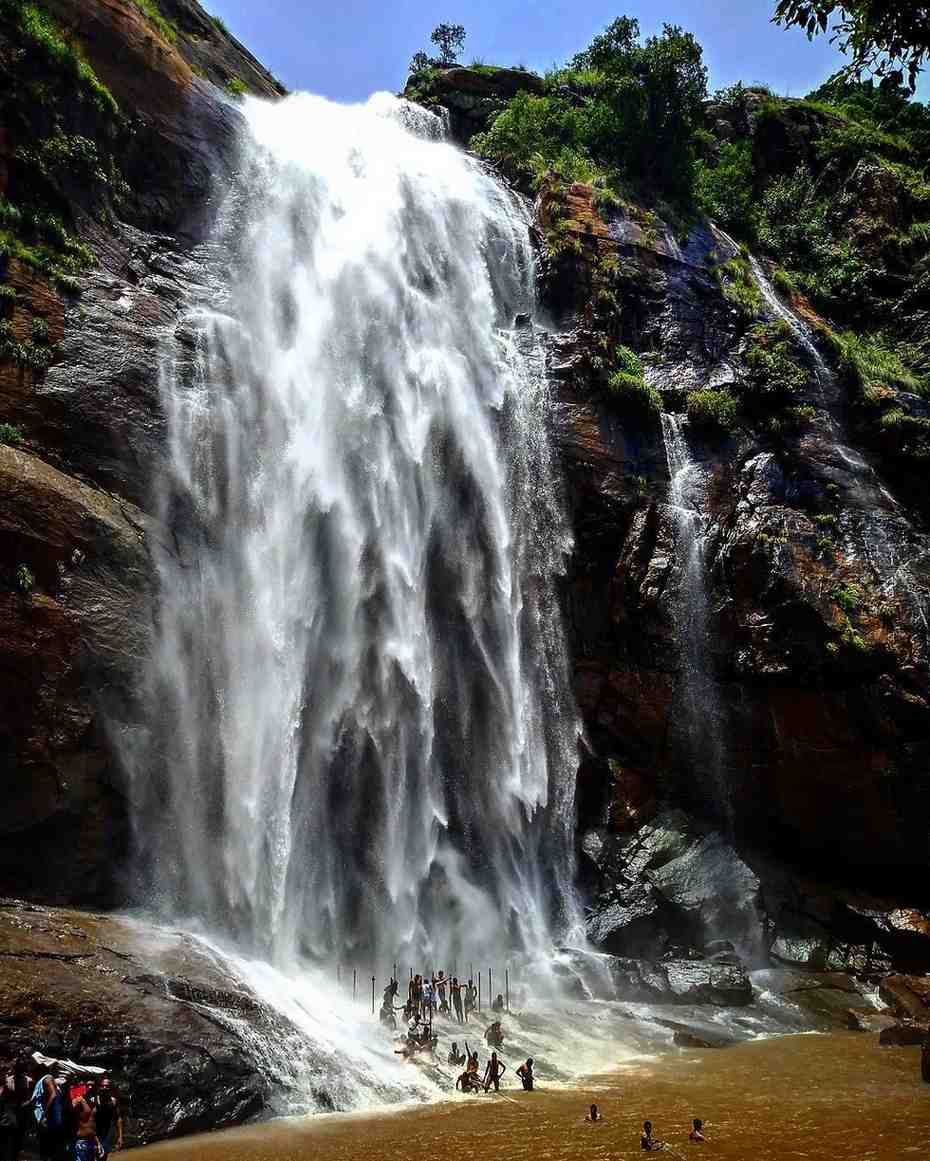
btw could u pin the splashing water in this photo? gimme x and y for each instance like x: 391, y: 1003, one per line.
x: 362, y: 700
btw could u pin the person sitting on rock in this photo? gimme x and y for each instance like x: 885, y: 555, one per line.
x: 648, y: 1142
x: 697, y: 1130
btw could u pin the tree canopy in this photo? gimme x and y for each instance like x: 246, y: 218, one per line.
x: 889, y: 38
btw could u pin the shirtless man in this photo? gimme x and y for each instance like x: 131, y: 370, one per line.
x: 455, y: 989
x: 697, y: 1130
x: 86, y: 1146
x: 493, y: 1072
x: 525, y: 1073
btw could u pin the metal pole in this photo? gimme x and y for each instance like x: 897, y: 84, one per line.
x: 507, y: 983
x: 354, y: 984
x: 490, y: 990
x: 479, y: 991
x: 372, y: 995
x: 394, y: 971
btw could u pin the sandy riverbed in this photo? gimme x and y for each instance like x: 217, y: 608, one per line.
x: 824, y: 1097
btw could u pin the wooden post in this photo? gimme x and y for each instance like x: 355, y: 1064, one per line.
x: 394, y: 971
x: 372, y: 995
x: 354, y: 984
x: 507, y: 983
x: 490, y: 990
x: 479, y: 990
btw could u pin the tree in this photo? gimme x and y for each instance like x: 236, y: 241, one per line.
x: 419, y: 61
x: 449, y: 39
x: 886, y: 37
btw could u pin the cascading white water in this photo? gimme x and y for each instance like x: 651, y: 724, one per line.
x: 701, y: 713
x: 363, y: 742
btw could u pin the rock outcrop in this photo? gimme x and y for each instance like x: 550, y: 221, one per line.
x: 79, y: 402
x: 155, y: 1009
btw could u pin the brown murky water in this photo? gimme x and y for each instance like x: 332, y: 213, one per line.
x: 819, y: 1097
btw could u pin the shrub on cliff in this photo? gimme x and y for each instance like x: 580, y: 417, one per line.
x: 624, y: 110
x: 627, y: 383
x: 713, y: 409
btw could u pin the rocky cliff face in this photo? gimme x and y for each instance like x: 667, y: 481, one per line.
x: 92, y: 270
x: 806, y: 744
x: 794, y: 826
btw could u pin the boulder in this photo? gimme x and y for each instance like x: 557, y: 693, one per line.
x: 701, y: 982
x: 179, y: 1033
x: 907, y: 996
x: 903, y: 1034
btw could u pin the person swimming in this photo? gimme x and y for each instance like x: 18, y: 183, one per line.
x: 648, y: 1142
x: 697, y: 1130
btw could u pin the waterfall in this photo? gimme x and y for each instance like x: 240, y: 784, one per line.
x: 701, y: 715
x: 363, y: 738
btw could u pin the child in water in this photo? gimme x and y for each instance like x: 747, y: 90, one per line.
x: 697, y: 1130
x: 594, y: 1115
x: 648, y: 1142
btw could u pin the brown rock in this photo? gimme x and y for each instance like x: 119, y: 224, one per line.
x: 907, y: 996
x: 903, y: 1034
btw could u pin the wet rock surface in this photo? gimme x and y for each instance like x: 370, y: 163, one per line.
x: 77, y: 499
x: 151, y: 1006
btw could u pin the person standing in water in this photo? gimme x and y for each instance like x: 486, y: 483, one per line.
x: 471, y: 999
x: 493, y: 1072
x: 594, y: 1115
x: 86, y: 1144
x: 697, y: 1131
x: 110, y: 1116
x: 525, y: 1073
x: 456, y: 991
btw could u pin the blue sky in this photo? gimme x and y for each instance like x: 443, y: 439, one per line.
x: 351, y: 48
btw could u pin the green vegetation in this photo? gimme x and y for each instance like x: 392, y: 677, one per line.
x: 11, y: 435
x: 53, y: 52
x: 739, y: 287
x: 219, y: 24
x: 28, y: 353
x: 236, y: 87
x: 67, y: 129
x: 874, y: 366
x: 623, y: 114
x: 166, y: 28
x: 887, y: 38
x: 775, y: 371
x: 849, y: 597
x: 627, y: 383
x: 713, y: 408
x: 449, y: 40
x: 25, y: 581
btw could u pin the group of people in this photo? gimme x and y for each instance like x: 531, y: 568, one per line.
x: 429, y: 994
x: 647, y: 1142
x: 73, y: 1117
x: 472, y: 1079
x: 651, y: 1144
